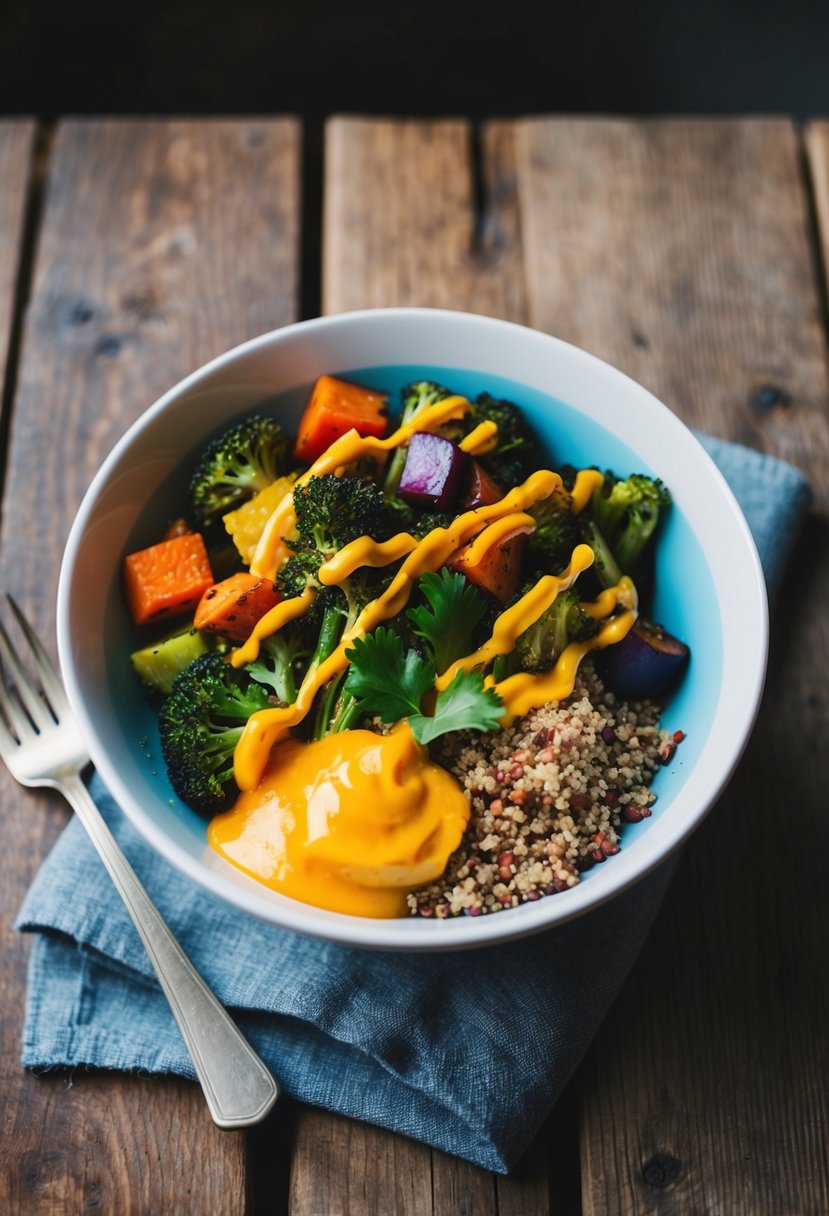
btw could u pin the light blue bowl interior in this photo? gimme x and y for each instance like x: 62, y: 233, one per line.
x: 684, y: 602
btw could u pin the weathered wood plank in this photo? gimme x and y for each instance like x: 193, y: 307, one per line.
x: 680, y: 252
x: 161, y: 245
x: 400, y: 220
x: 17, y: 140
x: 344, y: 1168
x: 816, y: 139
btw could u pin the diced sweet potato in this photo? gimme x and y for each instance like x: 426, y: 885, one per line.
x: 233, y: 606
x: 334, y: 408
x: 167, y: 579
x: 497, y: 571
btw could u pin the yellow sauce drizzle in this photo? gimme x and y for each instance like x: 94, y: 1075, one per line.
x: 587, y: 481
x: 496, y: 534
x: 271, y: 622
x: 480, y: 440
x: 523, y: 692
x: 623, y: 593
x: 513, y: 621
x: 364, y: 552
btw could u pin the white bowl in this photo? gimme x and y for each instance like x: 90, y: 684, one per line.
x: 710, y: 589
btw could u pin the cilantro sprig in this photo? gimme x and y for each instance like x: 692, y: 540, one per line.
x: 391, y: 682
x: 448, y: 619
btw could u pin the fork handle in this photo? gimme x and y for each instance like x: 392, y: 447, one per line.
x: 239, y: 1088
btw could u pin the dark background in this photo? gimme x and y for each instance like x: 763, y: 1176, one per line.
x: 422, y: 57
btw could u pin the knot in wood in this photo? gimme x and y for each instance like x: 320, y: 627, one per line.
x: 662, y: 1169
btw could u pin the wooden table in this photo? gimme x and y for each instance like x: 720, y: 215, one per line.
x: 687, y: 253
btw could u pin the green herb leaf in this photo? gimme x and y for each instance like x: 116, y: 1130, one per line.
x: 465, y: 705
x: 447, y: 621
x: 384, y: 679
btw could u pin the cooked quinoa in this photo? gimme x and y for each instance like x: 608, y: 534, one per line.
x: 549, y: 796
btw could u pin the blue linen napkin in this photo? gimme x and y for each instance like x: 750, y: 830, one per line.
x: 465, y: 1051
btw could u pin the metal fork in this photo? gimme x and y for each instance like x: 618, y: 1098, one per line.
x: 41, y: 745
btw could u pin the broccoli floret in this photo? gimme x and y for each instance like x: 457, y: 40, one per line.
x: 330, y: 513
x: 333, y: 511
x: 416, y: 397
x: 516, y: 454
x: 557, y: 532
x: 276, y: 664
x: 565, y: 621
x: 605, y: 569
x: 240, y: 462
x: 200, y: 724
x: 626, y: 513
x: 406, y: 518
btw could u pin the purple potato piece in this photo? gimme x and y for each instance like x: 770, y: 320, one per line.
x: 644, y: 663
x: 433, y: 472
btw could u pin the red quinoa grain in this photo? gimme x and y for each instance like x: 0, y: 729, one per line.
x: 549, y: 796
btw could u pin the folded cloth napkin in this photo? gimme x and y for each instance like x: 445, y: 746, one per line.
x: 466, y: 1051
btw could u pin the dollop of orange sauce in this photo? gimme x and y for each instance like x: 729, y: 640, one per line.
x: 350, y: 822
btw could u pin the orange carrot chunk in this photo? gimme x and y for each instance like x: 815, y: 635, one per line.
x: 167, y: 579
x: 498, y: 570
x: 335, y: 407
x: 233, y: 606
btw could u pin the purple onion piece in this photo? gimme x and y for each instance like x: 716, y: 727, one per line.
x: 645, y: 663
x: 433, y: 472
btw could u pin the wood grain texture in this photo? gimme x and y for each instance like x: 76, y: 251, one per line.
x: 344, y: 1168
x: 816, y: 139
x: 403, y: 224
x: 17, y: 139
x: 681, y: 252
x: 161, y: 245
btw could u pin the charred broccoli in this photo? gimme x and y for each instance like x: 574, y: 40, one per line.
x: 240, y: 462
x: 200, y: 724
x: 565, y: 621
x: 626, y: 513
x: 276, y: 663
x: 516, y: 453
x: 330, y: 513
x: 557, y: 532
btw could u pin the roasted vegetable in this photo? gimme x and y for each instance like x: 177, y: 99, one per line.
x: 626, y: 512
x: 494, y: 568
x: 433, y: 472
x: 516, y: 454
x: 479, y: 490
x: 645, y: 663
x: 246, y: 524
x: 167, y: 579
x: 200, y: 724
x: 233, y: 606
x: 556, y: 534
x: 565, y: 621
x: 158, y: 665
x: 334, y: 408
x: 417, y: 397
x: 239, y: 463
